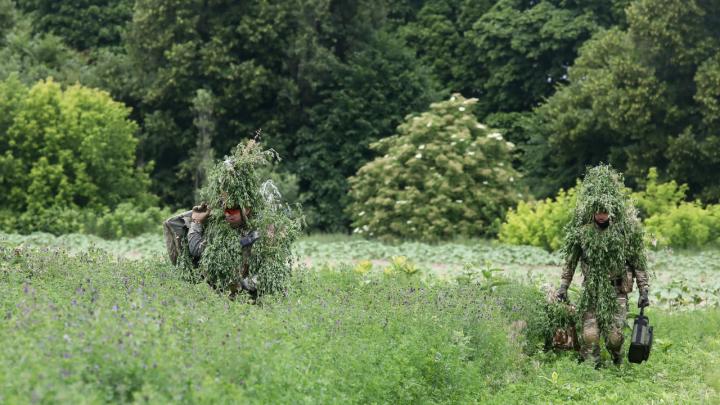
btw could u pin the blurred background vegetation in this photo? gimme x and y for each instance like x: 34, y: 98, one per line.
x: 111, y: 109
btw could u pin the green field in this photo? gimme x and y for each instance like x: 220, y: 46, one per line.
x: 92, y: 321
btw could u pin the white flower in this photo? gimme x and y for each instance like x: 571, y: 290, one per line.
x: 429, y: 124
x: 512, y: 179
x: 458, y: 201
x: 461, y: 109
x: 453, y: 143
x: 418, y: 156
x: 409, y: 221
x: 361, y: 213
x: 471, y: 153
x: 401, y: 202
x: 480, y: 126
x: 452, y: 98
x: 510, y: 145
x: 501, y: 164
x: 520, y: 195
x: 421, y: 147
x: 495, y: 135
x: 485, y: 182
x: 356, y: 230
x: 365, y: 228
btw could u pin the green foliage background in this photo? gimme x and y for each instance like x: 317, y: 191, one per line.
x: 634, y: 83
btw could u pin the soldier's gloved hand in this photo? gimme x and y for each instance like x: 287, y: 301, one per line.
x: 200, y: 213
x: 643, y: 301
x: 562, y: 293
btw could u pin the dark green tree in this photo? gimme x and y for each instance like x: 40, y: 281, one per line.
x: 32, y: 57
x: 522, y: 49
x: 641, y: 97
x: 366, y: 99
x: 321, y: 79
x: 82, y: 24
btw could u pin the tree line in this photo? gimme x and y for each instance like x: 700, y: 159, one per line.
x: 569, y: 82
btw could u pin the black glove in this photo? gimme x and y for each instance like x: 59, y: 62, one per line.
x: 562, y: 293
x: 643, y: 301
x: 251, y: 238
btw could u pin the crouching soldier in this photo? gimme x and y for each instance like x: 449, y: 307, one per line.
x: 605, y: 237
x: 231, y: 241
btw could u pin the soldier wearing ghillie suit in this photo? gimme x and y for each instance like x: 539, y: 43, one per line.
x: 606, y: 237
x: 241, y: 238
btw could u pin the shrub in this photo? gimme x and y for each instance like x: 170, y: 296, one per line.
x: 539, y: 223
x: 443, y: 175
x: 668, y: 220
x: 688, y: 225
x: 126, y: 220
x: 658, y: 198
x: 62, y: 150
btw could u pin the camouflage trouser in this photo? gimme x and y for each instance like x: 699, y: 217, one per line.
x: 590, y: 348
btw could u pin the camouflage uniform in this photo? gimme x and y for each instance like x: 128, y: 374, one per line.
x: 196, y: 246
x: 590, y: 348
x: 183, y: 223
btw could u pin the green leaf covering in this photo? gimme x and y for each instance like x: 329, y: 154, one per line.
x: 234, y: 183
x: 605, y: 253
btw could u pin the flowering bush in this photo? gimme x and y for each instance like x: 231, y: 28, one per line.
x: 443, y: 175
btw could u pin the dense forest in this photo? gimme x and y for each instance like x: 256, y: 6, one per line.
x: 570, y: 83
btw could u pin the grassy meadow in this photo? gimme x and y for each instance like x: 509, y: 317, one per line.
x: 90, y: 321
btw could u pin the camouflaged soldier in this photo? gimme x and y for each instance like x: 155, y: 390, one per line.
x: 237, y: 218
x: 605, y: 237
x: 187, y: 228
x: 231, y: 242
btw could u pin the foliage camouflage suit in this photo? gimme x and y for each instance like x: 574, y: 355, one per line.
x: 606, y: 237
x: 232, y: 255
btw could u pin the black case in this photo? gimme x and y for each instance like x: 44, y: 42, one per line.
x: 641, y: 339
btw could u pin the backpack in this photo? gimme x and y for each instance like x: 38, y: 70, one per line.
x: 176, y: 230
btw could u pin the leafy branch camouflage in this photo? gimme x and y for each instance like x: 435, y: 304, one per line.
x: 605, y: 254
x: 234, y: 183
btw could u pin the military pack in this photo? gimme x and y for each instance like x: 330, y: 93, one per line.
x: 176, y: 230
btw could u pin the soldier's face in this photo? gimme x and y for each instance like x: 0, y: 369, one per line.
x: 234, y: 217
x: 601, y: 217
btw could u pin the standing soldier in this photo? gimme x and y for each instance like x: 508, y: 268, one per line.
x: 606, y: 237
